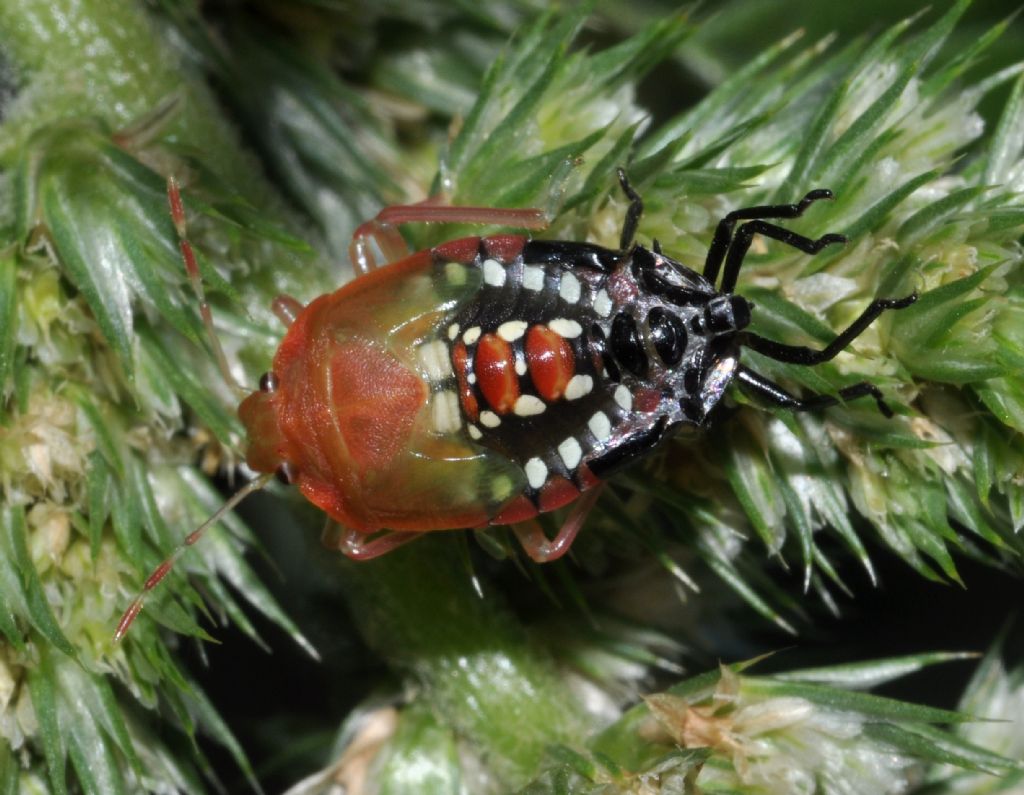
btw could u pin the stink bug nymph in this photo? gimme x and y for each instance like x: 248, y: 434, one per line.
x: 490, y: 379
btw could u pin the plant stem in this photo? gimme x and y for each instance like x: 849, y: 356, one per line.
x: 417, y: 607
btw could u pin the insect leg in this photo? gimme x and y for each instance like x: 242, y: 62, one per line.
x: 636, y: 209
x: 354, y: 544
x: 382, y: 229
x: 800, y: 354
x: 161, y: 571
x: 188, y: 256
x: 286, y: 308
x: 772, y: 393
x: 536, y: 544
x: 723, y: 233
x: 745, y: 235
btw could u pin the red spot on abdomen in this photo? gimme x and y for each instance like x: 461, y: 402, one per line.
x: 550, y: 361
x: 460, y: 362
x: 495, y: 368
x: 586, y: 478
x: 463, y: 250
x: 504, y: 247
x: 646, y: 400
x: 557, y: 492
x: 519, y: 510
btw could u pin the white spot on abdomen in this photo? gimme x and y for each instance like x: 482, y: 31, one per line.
x: 528, y: 406
x: 578, y: 386
x: 564, y: 327
x: 512, y: 330
x: 533, y: 278
x: 569, y: 288
x: 623, y: 397
x: 471, y: 335
x: 489, y: 419
x: 474, y: 432
x: 602, y: 303
x: 600, y: 426
x: 536, y: 472
x: 494, y: 273
x: 570, y: 452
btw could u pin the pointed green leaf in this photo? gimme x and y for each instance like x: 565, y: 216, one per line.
x: 863, y: 675
x: 10, y: 771
x: 742, y: 586
x: 756, y: 488
x: 918, y: 54
x: 8, y: 315
x: 738, y: 84
x: 1008, y: 141
x: 189, y: 385
x: 876, y: 214
x: 1005, y: 399
x: 866, y: 704
x: 940, y: 748
x: 39, y: 610
x: 43, y: 690
x: 104, y: 286
x: 99, y: 491
x: 103, y: 427
x: 926, y: 220
x: 94, y: 764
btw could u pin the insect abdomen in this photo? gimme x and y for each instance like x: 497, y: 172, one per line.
x: 530, y: 379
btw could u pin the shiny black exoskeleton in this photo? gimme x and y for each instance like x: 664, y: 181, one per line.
x: 674, y: 338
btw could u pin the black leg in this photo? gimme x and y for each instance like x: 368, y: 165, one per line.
x: 799, y: 354
x: 745, y: 235
x: 772, y: 393
x: 636, y: 209
x: 723, y: 234
x: 629, y: 450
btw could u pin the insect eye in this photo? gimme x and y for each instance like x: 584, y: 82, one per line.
x: 268, y: 382
x: 285, y: 473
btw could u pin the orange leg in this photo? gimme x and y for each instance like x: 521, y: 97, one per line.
x: 382, y: 229
x: 536, y: 544
x: 286, y: 308
x: 355, y: 545
x: 188, y: 256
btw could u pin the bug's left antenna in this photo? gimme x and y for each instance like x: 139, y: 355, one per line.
x: 165, y: 567
x: 188, y: 256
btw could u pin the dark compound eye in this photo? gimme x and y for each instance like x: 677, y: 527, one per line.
x: 286, y: 473
x: 668, y: 335
x: 626, y: 344
x: 268, y: 382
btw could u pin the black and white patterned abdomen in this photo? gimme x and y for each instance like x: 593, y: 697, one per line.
x: 571, y: 363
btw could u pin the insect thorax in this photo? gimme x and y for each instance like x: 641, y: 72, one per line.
x: 572, y: 360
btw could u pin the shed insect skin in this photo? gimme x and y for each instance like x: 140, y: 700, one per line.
x: 490, y: 379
